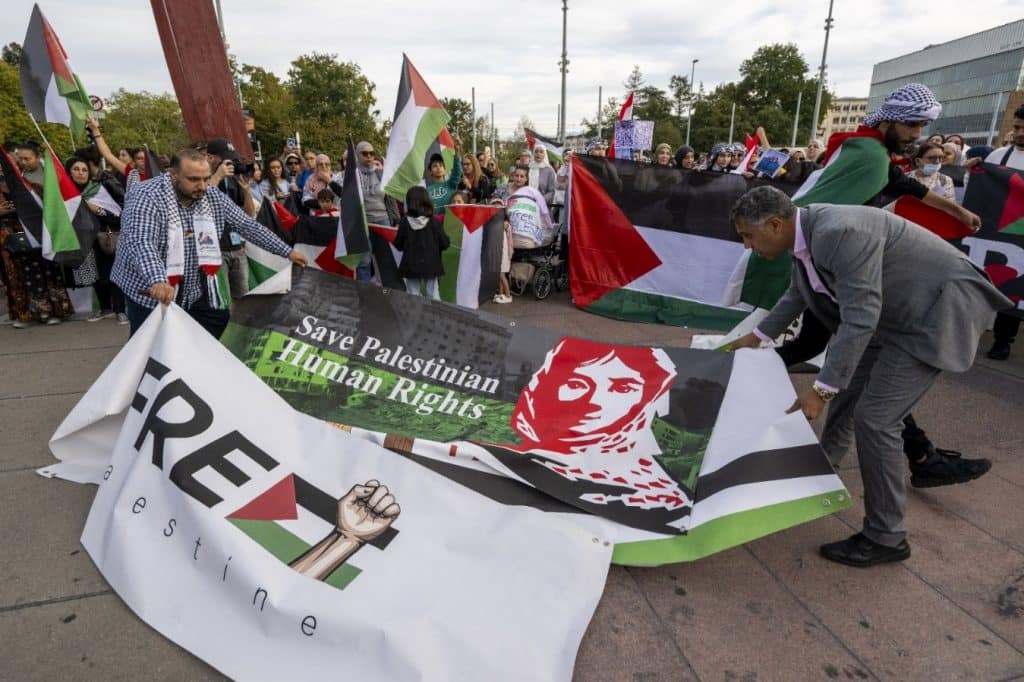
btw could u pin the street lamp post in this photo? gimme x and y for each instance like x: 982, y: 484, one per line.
x: 565, y: 68
x: 821, y: 74
x: 689, y: 116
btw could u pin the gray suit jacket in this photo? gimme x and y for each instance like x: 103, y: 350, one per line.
x: 893, y: 281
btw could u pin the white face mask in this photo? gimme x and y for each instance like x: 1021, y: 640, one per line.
x: 931, y: 168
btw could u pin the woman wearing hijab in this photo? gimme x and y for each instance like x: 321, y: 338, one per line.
x: 95, y: 269
x: 663, y: 155
x: 721, y: 156
x: 685, y: 158
x: 542, y: 175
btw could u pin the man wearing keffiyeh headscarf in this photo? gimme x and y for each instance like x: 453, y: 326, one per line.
x: 896, y: 125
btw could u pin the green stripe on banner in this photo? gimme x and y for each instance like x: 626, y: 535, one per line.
x: 449, y: 283
x: 283, y: 544
x: 342, y: 576
x: 729, y: 531
x: 258, y: 273
x: 638, y: 306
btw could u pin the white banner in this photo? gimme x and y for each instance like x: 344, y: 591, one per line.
x: 274, y: 546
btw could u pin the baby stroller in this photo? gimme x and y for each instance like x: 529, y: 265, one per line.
x: 538, y: 265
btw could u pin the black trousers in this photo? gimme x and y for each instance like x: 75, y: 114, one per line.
x: 813, y: 338
x: 1006, y: 327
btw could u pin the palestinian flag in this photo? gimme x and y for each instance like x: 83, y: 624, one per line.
x: 419, y: 119
x: 316, y: 237
x: 352, y: 240
x: 268, y: 272
x: 651, y: 244
x: 856, y: 169
x: 27, y: 203
x: 996, y: 194
x: 473, y: 261
x: 279, y: 220
x: 51, y: 90
x: 68, y: 227
x: 554, y: 149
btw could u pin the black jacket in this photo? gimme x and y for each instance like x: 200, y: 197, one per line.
x: 421, y: 249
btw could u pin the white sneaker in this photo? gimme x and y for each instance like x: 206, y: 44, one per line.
x: 503, y: 299
x: 100, y: 315
x: 122, y: 318
x: 18, y: 324
x: 53, y: 320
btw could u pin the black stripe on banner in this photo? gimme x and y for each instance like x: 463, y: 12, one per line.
x: 326, y: 507
x: 764, y: 466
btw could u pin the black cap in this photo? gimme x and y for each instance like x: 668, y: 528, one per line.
x: 218, y: 146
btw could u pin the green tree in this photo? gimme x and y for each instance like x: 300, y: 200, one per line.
x: 332, y: 100
x: 609, y: 114
x: 271, y: 103
x: 771, y: 81
x: 11, y: 54
x: 682, y: 96
x: 136, y: 118
x: 461, y: 111
x: 635, y: 80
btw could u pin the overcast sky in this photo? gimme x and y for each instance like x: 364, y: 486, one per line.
x: 510, y: 50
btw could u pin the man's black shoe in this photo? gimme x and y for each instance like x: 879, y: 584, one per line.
x: 946, y: 467
x: 1000, y: 350
x: 862, y: 552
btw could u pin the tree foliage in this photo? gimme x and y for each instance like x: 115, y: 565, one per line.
x: 137, y: 118
x: 765, y: 95
x: 332, y: 100
x: 11, y: 54
x: 272, y: 104
x: 461, y: 111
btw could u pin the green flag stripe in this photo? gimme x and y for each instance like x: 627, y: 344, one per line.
x: 639, y: 306
x: 56, y: 220
x: 730, y: 530
x: 858, y: 172
x: 449, y: 283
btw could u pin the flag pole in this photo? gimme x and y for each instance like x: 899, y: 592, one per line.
x: 45, y: 141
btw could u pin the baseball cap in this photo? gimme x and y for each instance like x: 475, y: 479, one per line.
x: 223, y: 148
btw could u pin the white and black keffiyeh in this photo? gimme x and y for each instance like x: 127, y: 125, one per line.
x: 907, y: 104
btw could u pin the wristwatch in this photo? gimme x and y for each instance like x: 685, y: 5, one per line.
x: 823, y: 393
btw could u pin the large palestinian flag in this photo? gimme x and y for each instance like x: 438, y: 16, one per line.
x: 316, y: 237
x: 51, y: 90
x: 654, y: 244
x: 996, y: 194
x: 473, y: 261
x: 419, y: 119
x: 554, y: 149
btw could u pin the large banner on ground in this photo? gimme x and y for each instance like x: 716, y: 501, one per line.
x: 275, y: 546
x: 654, y: 244
x: 672, y: 453
x: 996, y: 194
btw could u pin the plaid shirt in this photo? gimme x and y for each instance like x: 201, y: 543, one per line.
x: 141, y: 257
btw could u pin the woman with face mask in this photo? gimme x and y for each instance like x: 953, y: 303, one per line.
x: 927, y: 161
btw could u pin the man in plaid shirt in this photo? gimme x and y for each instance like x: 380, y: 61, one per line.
x: 140, y: 267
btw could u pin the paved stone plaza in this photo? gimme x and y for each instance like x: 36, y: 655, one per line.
x: 769, y: 610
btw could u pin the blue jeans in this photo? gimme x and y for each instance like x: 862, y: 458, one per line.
x: 364, y: 271
x: 414, y: 285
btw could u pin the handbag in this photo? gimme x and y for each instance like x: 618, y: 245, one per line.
x: 17, y: 244
x: 107, y: 241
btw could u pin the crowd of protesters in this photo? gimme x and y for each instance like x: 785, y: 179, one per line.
x: 305, y: 181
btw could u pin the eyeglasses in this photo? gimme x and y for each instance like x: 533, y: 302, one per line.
x: 294, y: 163
x: 367, y: 153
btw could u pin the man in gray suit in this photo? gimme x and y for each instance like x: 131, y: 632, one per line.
x: 902, y: 304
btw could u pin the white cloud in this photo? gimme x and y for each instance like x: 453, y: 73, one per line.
x: 510, y: 50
